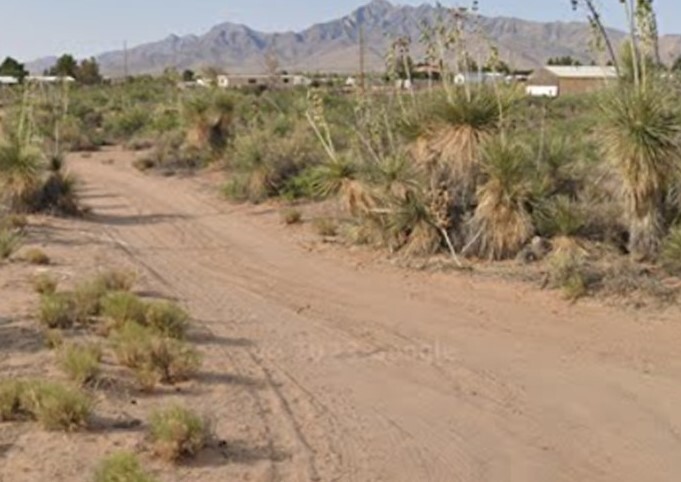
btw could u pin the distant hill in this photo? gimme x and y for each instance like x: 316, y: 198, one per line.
x: 334, y: 46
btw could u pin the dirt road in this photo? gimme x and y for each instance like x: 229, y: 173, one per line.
x: 325, y: 371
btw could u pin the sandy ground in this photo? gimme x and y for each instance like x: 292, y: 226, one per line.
x: 327, y: 366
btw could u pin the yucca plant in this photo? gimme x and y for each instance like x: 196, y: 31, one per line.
x: 641, y: 132
x: 501, y: 224
x: 21, y: 169
x: 465, y: 121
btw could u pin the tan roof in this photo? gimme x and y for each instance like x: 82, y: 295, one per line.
x: 582, y: 72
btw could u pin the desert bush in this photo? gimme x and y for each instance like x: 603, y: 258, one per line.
x: 177, y: 433
x: 121, y: 467
x: 291, y: 216
x: 122, y: 126
x: 121, y: 306
x: 167, y: 318
x: 153, y: 357
x: 57, y: 310
x: 560, y: 216
x: 671, y: 251
x: 57, y: 196
x: 36, y: 256
x: 11, y: 396
x: 117, y: 279
x: 56, y: 406
x: 45, y: 284
x: 326, y: 227
x: 10, y: 242
x: 53, y: 338
x: 568, y: 272
x: 81, y: 363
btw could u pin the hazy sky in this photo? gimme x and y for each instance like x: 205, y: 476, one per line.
x: 35, y: 28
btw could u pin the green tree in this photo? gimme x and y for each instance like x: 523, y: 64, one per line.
x: 66, y: 66
x: 188, y: 75
x: 12, y: 68
x: 565, y: 60
x: 88, y: 72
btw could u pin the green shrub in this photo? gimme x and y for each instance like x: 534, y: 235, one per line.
x: 36, y: 256
x: 10, y: 241
x: 81, y: 363
x: 568, y: 272
x: 167, y: 318
x: 45, y: 284
x: 57, y: 310
x: 55, y: 406
x: 121, y: 467
x: 120, y: 307
x: 177, y: 433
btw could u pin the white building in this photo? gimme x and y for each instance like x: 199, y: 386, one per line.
x: 49, y: 79
x: 7, y: 80
x: 236, y: 81
x: 553, y: 81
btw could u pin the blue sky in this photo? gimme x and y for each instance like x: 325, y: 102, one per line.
x: 35, y: 28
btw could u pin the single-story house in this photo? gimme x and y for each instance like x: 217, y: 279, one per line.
x: 237, y: 81
x: 554, y: 81
x: 8, y: 80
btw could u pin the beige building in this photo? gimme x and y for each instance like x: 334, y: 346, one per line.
x: 554, y: 81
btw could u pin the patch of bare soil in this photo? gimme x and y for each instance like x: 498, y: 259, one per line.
x: 323, y: 364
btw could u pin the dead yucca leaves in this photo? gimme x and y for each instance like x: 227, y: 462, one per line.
x: 501, y: 224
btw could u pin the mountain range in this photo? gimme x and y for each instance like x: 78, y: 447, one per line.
x: 334, y: 46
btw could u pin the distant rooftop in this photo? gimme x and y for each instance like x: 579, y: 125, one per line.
x: 582, y: 72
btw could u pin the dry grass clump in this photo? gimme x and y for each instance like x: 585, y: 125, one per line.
x: 10, y: 242
x: 291, y: 216
x: 177, y: 433
x: 53, y: 338
x: 326, y: 227
x: 36, y: 256
x: 120, y: 307
x: 154, y: 358
x: 121, y: 467
x: 54, y: 406
x: 57, y: 311
x: 81, y: 363
x: 671, y: 252
x: 117, y: 280
x: 167, y: 318
x: 568, y: 272
x: 45, y: 284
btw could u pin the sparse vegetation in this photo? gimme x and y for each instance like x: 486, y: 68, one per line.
x: 57, y: 310
x: 167, y: 318
x: 36, y: 256
x: 121, y: 306
x: 54, y: 406
x: 292, y: 216
x: 177, y: 433
x: 121, y: 467
x: 10, y: 241
x: 81, y: 363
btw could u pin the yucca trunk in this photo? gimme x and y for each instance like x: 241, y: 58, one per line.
x: 646, y: 226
